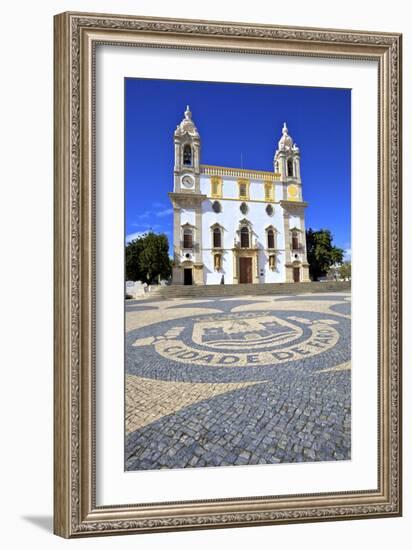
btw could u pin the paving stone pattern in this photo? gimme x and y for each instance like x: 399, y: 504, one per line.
x: 201, y: 392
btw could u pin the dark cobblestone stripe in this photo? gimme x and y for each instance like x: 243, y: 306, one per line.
x: 345, y: 308
x: 297, y: 413
x: 295, y: 421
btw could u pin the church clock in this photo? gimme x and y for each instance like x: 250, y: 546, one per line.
x: 187, y: 182
x: 292, y: 192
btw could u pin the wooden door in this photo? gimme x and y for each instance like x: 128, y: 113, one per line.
x: 188, y: 279
x: 245, y: 270
x: 296, y: 274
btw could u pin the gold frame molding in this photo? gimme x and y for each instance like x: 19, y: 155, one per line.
x: 75, y: 38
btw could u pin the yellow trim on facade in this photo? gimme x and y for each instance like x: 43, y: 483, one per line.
x: 240, y: 183
x: 269, y: 191
x: 216, y: 180
x: 212, y: 170
x: 244, y: 200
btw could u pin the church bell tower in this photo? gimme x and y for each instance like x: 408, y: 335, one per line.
x: 187, y: 156
x: 287, y: 167
x: 287, y: 162
x: 186, y: 200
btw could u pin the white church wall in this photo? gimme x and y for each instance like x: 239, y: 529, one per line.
x: 229, y: 219
x: 294, y: 221
x: 278, y: 274
x: 267, y: 275
x: 209, y: 218
x: 188, y: 216
x: 280, y: 270
x: 282, y: 257
x: 257, y: 190
x: 213, y: 277
x: 278, y: 191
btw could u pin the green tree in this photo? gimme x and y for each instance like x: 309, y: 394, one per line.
x: 321, y: 253
x: 132, y: 255
x: 345, y: 271
x: 147, y: 258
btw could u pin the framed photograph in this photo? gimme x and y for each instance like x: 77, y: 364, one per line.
x: 227, y: 274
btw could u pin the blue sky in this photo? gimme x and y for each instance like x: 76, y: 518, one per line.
x: 234, y: 121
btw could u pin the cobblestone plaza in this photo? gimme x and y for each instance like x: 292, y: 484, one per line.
x: 237, y: 381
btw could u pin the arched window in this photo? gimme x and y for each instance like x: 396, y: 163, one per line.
x: 290, y: 167
x: 244, y: 237
x: 217, y: 238
x: 295, y: 240
x: 271, y: 238
x: 187, y: 238
x: 187, y: 155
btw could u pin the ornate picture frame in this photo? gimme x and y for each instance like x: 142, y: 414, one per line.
x: 76, y: 36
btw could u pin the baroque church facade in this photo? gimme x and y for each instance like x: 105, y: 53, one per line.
x: 233, y: 225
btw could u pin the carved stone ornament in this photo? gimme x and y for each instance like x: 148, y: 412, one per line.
x: 76, y: 37
x: 187, y: 125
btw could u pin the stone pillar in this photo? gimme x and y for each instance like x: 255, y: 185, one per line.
x: 284, y: 169
x: 303, y: 229
x: 177, y: 272
x: 176, y: 234
x: 196, y: 155
x: 297, y: 167
x: 305, y: 273
x: 199, y: 236
x: 235, y: 269
x: 198, y: 275
x: 288, y: 274
x: 255, y: 268
x: 286, y: 232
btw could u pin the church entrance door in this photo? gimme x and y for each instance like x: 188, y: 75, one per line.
x: 296, y: 274
x: 245, y: 270
x: 187, y: 276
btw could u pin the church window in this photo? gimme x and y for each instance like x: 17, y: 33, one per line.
x: 216, y: 207
x: 272, y: 262
x: 218, y: 262
x: 269, y: 210
x: 295, y: 240
x: 268, y: 191
x: 217, y: 238
x: 243, y: 189
x: 244, y: 208
x: 187, y: 238
x: 271, y: 238
x: 290, y: 167
x: 216, y: 187
x: 244, y: 237
x: 187, y: 155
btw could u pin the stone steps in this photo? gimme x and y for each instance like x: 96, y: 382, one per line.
x: 182, y: 291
